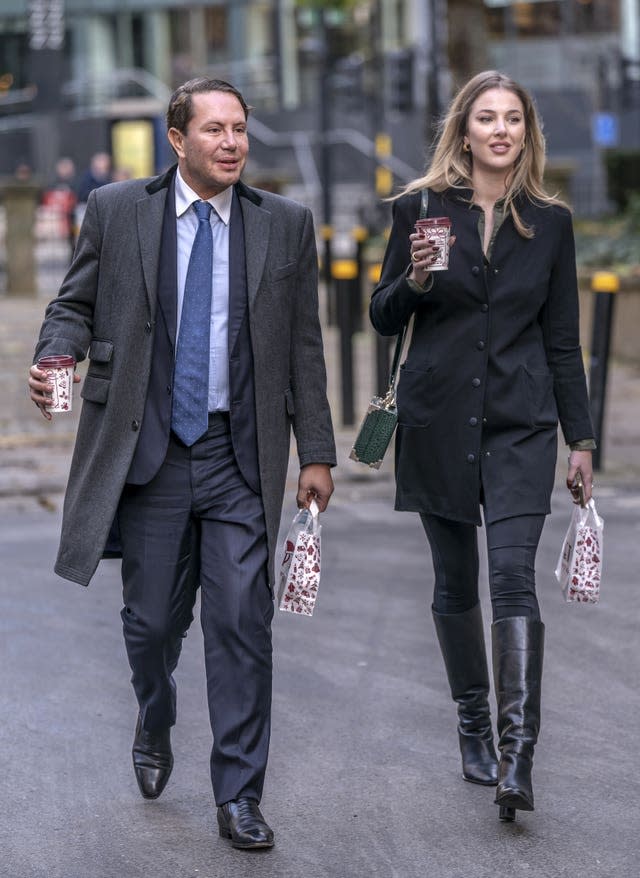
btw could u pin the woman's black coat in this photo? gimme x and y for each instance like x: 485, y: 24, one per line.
x: 494, y: 361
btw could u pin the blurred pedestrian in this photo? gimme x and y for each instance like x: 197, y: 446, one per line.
x: 196, y: 299
x: 60, y: 194
x: 493, y: 362
x: 97, y: 174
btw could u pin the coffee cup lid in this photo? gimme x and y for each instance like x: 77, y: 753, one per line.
x: 434, y: 221
x: 53, y: 362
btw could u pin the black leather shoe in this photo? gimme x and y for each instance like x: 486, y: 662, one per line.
x: 241, y: 821
x: 152, y: 760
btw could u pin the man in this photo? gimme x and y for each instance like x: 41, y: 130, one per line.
x: 189, y: 460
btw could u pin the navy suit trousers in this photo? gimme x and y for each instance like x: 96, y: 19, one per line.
x: 198, y: 523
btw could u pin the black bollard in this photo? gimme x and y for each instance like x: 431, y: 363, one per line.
x: 382, y: 349
x: 604, y: 284
x: 360, y: 235
x: 326, y: 233
x: 346, y: 281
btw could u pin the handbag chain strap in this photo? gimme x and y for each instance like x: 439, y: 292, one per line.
x: 402, y: 337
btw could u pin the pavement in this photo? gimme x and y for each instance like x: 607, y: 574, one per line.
x: 364, y: 774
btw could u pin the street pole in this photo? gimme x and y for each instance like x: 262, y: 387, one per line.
x: 433, y: 85
x: 326, y: 170
x: 46, y: 43
x: 604, y: 284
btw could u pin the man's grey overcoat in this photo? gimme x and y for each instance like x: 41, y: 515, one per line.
x: 494, y: 362
x: 109, y: 295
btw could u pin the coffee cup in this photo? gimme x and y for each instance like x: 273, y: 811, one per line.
x: 59, y: 372
x: 437, y: 228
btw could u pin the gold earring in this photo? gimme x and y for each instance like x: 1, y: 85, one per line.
x: 466, y: 147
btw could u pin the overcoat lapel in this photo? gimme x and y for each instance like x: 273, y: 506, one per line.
x: 257, y: 229
x: 149, y: 217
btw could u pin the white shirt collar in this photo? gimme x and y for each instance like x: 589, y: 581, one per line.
x: 185, y: 196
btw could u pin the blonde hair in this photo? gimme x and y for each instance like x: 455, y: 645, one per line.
x: 451, y: 165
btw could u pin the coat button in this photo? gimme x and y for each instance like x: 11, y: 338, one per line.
x: 480, y: 345
x: 476, y: 382
x: 473, y: 422
x: 496, y: 270
x: 135, y: 425
x: 147, y: 327
x: 475, y: 271
x: 484, y: 420
x: 487, y: 454
x: 471, y: 458
x: 484, y: 308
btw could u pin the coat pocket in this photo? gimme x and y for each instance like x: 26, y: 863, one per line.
x: 100, y: 350
x: 414, y: 397
x: 543, y: 411
x: 95, y: 389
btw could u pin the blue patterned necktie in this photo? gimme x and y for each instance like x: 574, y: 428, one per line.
x: 190, y: 412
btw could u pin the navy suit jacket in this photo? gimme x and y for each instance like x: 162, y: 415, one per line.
x: 156, y: 423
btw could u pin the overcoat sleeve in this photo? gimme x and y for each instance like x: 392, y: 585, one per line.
x: 68, y: 323
x: 311, y: 417
x: 393, y: 301
x: 559, y: 319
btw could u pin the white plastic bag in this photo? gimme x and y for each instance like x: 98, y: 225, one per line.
x: 300, y: 566
x: 579, y: 568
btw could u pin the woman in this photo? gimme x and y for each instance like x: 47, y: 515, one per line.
x: 494, y: 362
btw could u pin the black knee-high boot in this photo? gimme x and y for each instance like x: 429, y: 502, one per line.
x: 461, y: 640
x: 518, y: 646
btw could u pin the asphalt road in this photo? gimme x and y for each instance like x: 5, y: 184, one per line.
x: 364, y: 776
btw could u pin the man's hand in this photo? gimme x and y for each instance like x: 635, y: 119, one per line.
x: 314, y: 483
x: 40, y: 390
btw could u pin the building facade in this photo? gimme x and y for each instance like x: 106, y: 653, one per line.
x: 327, y: 79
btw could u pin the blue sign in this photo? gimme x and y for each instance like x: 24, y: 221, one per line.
x: 605, y: 129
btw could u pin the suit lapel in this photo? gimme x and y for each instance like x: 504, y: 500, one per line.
x: 237, y: 273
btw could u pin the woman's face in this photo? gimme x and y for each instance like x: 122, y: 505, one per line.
x: 495, y: 130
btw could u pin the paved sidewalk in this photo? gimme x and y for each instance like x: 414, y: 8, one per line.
x: 35, y: 453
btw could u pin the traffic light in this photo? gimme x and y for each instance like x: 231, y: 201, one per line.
x: 348, y: 82
x: 399, y: 80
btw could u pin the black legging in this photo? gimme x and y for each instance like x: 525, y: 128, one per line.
x: 511, y: 546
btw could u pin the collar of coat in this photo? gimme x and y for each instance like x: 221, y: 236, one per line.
x: 166, y: 179
x: 465, y: 196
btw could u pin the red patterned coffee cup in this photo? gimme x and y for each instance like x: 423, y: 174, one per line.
x: 59, y: 372
x: 438, y: 229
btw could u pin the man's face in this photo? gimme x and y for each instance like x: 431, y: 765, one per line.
x: 213, y: 150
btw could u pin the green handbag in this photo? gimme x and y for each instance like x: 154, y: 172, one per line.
x: 380, y: 420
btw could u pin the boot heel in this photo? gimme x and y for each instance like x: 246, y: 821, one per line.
x: 507, y: 814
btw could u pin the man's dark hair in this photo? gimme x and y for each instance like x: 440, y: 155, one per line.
x: 180, y: 108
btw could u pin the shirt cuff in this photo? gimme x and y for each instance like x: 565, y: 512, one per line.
x: 415, y: 286
x: 583, y: 445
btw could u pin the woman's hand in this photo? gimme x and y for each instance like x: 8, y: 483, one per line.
x: 424, y: 252
x: 580, y: 462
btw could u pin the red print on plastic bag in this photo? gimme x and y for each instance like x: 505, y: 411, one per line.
x: 579, y: 568
x: 300, y: 566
